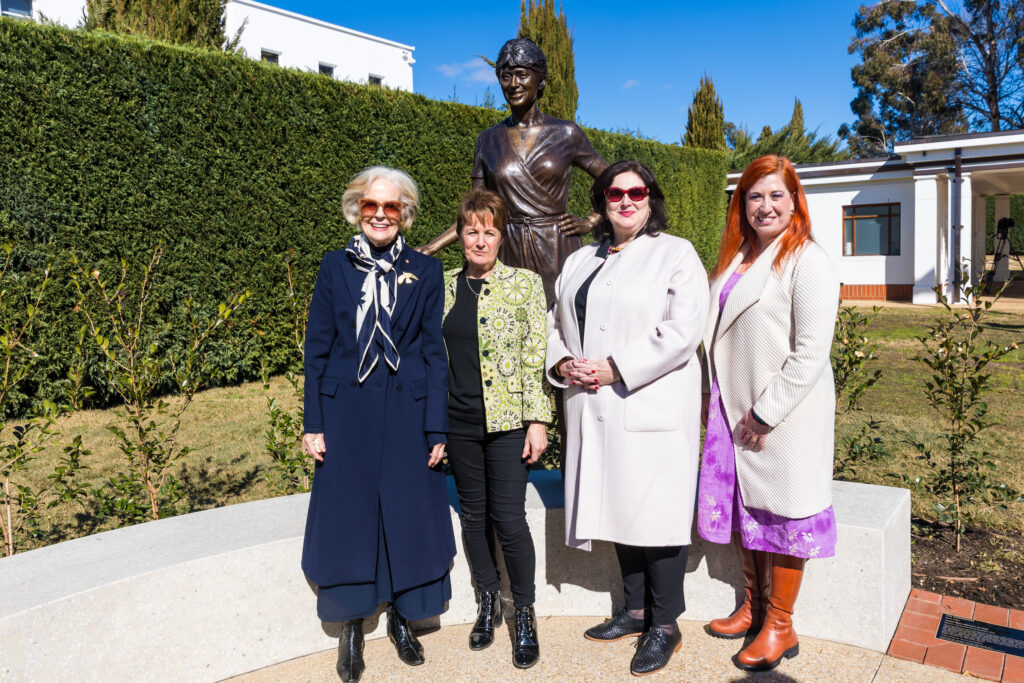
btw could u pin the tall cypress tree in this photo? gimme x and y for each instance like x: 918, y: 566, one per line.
x: 539, y: 22
x: 199, y: 23
x: 705, y: 122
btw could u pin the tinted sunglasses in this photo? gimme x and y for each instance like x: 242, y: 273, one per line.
x: 392, y: 210
x: 636, y: 194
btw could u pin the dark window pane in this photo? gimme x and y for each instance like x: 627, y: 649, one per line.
x: 894, y: 235
x: 871, y: 235
x: 870, y: 210
x: 327, y: 70
x: 375, y: 80
x: 268, y: 56
x: 894, y: 209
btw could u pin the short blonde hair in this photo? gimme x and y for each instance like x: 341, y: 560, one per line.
x: 361, y: 183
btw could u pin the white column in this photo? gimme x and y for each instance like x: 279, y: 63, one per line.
x: 974, y: 267
x: 925, y: 238
x: 1003, y: 255
x: 978, y: 236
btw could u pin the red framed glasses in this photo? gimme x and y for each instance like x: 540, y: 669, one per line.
x: 636, y: 194
x: 392, y: 210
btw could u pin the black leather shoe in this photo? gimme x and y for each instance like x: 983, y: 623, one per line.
x: 653, y: 650
x: 620, y: 626
x: 525, y: 649
x: 408, y: 647
x: 487, y: 618
x: 350, y: 651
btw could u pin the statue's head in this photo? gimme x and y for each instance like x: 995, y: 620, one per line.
x: 521, y: 53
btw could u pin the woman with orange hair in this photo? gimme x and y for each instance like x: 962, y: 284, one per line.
x: 766, y: 470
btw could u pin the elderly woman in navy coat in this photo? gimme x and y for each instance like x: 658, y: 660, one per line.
x: 376, y: 417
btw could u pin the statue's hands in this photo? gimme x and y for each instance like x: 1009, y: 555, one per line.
x: 569, y: 224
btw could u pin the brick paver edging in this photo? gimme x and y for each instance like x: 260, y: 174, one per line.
x: 915, y: 639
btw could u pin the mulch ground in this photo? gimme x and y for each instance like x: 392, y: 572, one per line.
x: 988, y: 569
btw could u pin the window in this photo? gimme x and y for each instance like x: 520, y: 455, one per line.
x: 269, y: 56
x: 16, y: 8
x: 327, y: 70
x: 871, y: 229
x: 375, y: 80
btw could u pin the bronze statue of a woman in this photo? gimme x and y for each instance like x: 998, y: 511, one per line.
x: 527, y: 159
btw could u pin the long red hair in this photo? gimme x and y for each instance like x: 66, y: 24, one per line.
x: 738, y: 230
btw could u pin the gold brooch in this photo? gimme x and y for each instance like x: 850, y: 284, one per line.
x: 406, y: 277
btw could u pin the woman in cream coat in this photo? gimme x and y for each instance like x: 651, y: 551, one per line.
x: 624, y: 330
x: 766, y: 472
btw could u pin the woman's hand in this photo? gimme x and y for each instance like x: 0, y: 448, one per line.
x: 436, y: 455
x: 569, y: 224
x: 536, y: 441
x: 592, y: 374
x: 315, y: 445
x: 751, y: 432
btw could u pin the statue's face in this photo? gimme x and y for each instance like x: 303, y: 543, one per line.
x: 521, y: 86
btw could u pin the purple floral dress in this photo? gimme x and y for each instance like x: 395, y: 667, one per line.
x: 720, y: 509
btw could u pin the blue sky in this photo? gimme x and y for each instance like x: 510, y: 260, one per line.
x: 637, y: 63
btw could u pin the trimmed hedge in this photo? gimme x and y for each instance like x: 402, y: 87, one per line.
x: 110, y: 144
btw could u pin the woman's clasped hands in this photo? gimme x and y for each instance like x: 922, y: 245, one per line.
x: 590, y: 374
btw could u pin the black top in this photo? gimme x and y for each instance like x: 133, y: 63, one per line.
x: 465, y: 388
x: 584, y: 291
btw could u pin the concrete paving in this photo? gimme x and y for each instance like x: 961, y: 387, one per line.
x: 567, y: 656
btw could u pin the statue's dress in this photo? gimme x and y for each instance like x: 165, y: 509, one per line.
x: 536, y: 190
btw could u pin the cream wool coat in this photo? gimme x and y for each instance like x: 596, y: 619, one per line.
x: 632, y: 447
x: 770, y: 350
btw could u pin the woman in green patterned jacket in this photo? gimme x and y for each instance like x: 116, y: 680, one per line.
x: 496, y: 331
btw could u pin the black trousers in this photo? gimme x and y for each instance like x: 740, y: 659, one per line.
x: 490, y: 476
x: 652, y: 579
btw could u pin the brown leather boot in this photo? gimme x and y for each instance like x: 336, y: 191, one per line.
x: 748, y: 616
x: 777, y: 638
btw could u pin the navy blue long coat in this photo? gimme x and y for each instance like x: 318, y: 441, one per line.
x: 376, y: 432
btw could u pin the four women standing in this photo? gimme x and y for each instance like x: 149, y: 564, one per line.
x: 629, y: 314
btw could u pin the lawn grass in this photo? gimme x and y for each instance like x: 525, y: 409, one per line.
x: 225, y: 428
x: 899, y: 403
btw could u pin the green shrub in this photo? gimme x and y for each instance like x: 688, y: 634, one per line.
x: 111, y: 145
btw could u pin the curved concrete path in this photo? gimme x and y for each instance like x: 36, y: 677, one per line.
x: 567, y: 656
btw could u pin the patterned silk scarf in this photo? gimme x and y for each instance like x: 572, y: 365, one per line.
x: 373, y: 316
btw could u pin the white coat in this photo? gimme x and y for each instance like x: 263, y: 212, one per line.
x: 770, y: 351
x: 632, y: 447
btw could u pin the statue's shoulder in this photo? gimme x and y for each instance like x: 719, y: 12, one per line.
x: 496, y: 129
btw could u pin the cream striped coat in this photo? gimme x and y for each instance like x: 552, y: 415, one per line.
x: 770, y: 350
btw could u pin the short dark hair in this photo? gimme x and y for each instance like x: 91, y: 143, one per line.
x: 522, y: 52
x: 482, y: 203
x: 655, y: 224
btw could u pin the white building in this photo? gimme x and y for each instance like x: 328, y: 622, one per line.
x: 890, y: 224
x: 278, y: 36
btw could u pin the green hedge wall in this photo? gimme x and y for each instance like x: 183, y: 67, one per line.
x: 109, y: 145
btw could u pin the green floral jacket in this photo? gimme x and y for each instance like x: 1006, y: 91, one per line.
x: 512, y: 329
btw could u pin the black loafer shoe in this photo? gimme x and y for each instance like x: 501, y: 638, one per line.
x: 487, y: 618
x: 620, y: 626
x: 408, y: 647
x: 350, y: 651
x: 526, y: 648
x: 653, y: 650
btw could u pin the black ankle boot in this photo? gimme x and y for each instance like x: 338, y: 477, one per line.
x: 525, y: 649
x: 350, y: 651
x: 408, y: 647
x: 487, y: 618
x: 620, y: 626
